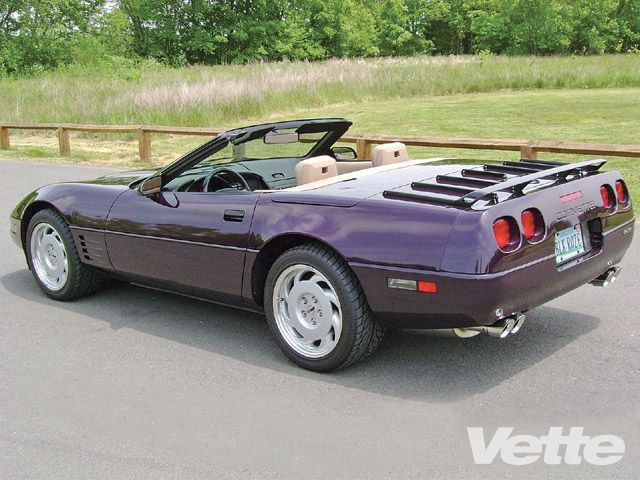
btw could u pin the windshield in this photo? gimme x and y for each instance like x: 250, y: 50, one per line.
x: 259, y: 150
x: 256, y: 157
x: 264, y: 162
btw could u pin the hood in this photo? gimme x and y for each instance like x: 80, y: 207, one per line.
x: 124, y: 179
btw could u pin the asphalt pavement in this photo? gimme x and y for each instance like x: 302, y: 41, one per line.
x: 132, y: 383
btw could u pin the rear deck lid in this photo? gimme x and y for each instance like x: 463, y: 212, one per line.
x: 350, y: 189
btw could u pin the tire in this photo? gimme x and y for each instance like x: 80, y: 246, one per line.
x: 51, y: 251
x: 317, y: 310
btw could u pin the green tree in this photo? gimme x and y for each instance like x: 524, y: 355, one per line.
x: 536, y: 27
x: 627, y: 20
x: 37, y: 35
x: 40, y: 34
x: 296, y: 41
x: 394, y: 36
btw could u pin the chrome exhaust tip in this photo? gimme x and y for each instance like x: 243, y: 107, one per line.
x: 519, y: 322
x: 501, y: 329
x: 606, y: 278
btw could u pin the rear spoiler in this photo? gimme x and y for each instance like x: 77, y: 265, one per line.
x: 473, y: 185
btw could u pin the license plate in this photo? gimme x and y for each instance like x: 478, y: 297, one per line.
x: 569, y: 243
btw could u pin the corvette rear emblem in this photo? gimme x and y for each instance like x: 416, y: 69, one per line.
x: 577, y: 210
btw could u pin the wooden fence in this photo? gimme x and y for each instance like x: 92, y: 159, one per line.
x: 363, y: 142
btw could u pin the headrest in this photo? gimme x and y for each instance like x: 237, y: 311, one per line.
x: 389, y: 153
x: 315, y: 168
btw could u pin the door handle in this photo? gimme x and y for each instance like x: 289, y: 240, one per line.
x: 233, y: 215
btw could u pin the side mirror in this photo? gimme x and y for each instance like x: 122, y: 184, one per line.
x: 344, y: 154
x: 150, y: 186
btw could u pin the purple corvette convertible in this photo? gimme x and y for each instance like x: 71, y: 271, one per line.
x: 333, y: 249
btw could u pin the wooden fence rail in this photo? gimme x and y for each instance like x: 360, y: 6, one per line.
x: 364, y: 142
x: 143, y: 131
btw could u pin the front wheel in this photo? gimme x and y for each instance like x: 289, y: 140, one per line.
x: 54, y: 260
x: 317, y: 311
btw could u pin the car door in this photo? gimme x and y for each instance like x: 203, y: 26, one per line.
x: 188, y: 242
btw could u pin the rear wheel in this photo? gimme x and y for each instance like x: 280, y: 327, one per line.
x: 317, y: 311
x: 54, y: 260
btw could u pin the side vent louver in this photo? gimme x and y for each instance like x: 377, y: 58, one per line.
x: 91, y: 246
x: 83, y: 245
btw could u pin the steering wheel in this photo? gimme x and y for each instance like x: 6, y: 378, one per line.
x: 218, y: 174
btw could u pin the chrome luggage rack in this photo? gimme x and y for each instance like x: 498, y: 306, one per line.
x: 485, y: 183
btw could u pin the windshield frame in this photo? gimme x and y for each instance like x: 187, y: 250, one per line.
x: 335, y: 128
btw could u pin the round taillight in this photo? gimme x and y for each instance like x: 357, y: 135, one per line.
x: 608, y: 198
x: 506, y: 232
x: 532, y: 225
x: 622, y: 192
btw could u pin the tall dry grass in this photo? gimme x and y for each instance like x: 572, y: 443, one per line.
x: 228, y: 95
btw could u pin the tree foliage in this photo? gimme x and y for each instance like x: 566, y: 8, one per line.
x: 38, y: 35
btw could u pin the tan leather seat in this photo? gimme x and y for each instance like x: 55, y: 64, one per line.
x: 315, y: 168
x: 388, y: 153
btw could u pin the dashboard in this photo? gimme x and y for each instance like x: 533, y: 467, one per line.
x: 267, y: 174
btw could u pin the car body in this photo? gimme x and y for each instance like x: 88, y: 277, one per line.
x: 421, y: 237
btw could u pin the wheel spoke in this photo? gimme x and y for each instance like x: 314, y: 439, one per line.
x: 305, y: 341
x: 49, y: 238
x: 326, y: 340
x: 59, y: 242
x: 331, y: 296
x: 283, y: 308
x: 317, y: 278
x: 336, y: 322
x: 285, y: 293
x: 298, y: 276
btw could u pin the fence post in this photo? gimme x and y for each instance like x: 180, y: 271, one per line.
x: 363, y: 149
x: 64, y: 143
x: 144, y: 144
x: 527, y: 151
x: 4, y: 138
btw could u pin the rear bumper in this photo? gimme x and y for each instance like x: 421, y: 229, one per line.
x: 14, y: 231
x: 464, y: 300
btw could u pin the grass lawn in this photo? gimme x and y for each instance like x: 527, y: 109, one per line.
x: 587, y: 115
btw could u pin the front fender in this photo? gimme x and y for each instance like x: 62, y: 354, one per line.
x: 85, y: 205
x: 81, y: 205
x: 18, y: 211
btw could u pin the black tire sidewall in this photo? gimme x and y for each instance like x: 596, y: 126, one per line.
x: 343, y: 349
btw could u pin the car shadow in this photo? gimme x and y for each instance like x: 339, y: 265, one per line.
x: 409, y: 364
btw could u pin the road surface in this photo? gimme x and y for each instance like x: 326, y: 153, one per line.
x: 133, y: 383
